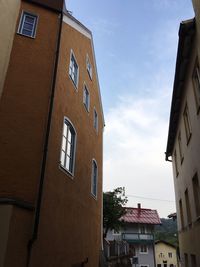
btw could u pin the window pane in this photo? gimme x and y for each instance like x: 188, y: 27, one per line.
x: 67, y: 163
x: 69, y: 149
x: 62, y: 158
x: 28, y: 26
x: 63, y: 143
x: 65, y: 130
x: 29, y: 19
x: 27, y: 32
x: 69, y: 138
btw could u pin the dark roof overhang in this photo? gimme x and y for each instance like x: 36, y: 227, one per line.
x: 186, y: 34
x: 56, y: 5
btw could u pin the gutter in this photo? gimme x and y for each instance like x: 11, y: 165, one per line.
x: 46, y: 143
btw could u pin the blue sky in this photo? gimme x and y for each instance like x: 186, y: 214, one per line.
x: 135, y: 45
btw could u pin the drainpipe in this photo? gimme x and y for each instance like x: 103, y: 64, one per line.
x: 46, y: 142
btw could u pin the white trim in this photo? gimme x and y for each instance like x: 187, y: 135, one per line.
x: 75, y: 85
x: 76, y: 26
x: 74, y: 152
x: 20, y: 26
x: 94, y: 196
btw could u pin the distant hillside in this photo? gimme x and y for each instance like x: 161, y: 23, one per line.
x: 167, y: 231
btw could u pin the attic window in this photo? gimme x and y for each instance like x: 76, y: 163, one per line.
x: 27, y: 25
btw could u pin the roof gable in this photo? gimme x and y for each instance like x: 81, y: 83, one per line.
x: 140, y: 215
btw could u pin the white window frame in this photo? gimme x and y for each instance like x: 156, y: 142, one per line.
x: 89, y: 66
x: 96, y: 120
x: 24, y: 14
x: 71, y: 72
x: 147, y: 251
x: 94, y: 163
x: 86, y: 103
x: 64, y: 146
x: 116, y: 233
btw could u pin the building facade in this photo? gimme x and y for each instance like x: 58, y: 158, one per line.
x: 138, y: 231
x: 166, y: 254
x: 183, y: 145
x: 51, y: 122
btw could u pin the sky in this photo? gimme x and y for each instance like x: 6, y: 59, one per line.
x: 135, y: 46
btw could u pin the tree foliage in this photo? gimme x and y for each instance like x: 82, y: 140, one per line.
x: 113, y: 209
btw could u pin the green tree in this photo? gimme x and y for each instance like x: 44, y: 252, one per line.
x: 113, y: 209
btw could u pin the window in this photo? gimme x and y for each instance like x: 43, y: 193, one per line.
x: 187, y: 203
x: 67, y: 157
x: 196, y: 191
x: 186, y: 260
x: 170, y: 254
x: 144, y: 249
x: 94, y: 178
x: 142, y: 229
x: 175, y: 163
x: 144, y: 265
x: 193, y: 260
x: 86, y: 98
x: 159, y: 265
x: 181, y: 213
x: 196, y: 85
x: 171, y: 265
x: 95, y: 120
x: 73, y: 69
x: 180, y: 147
x: 27, y: 25
x: 89, y: 66
x: 188, y: 131
x: 116, y: 232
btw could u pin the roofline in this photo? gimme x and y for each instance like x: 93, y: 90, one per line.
x: 186, y: 34
x: 67, y: 13
x: 51, y: 5
x: 165, y: 242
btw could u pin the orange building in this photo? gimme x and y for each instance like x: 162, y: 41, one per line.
x: 51, y: 133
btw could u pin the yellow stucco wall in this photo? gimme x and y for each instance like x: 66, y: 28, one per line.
x: 162, y: 251
x: 9, y: 10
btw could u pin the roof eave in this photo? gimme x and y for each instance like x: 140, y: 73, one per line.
x: 186, y: 34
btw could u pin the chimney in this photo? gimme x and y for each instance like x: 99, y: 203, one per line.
x: 139, y: 206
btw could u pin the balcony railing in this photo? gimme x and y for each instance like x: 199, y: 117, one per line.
x: 136, y: 237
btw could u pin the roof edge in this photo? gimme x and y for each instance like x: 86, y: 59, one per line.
x: 186, y: 34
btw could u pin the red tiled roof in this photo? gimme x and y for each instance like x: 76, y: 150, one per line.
x: 139, y: 215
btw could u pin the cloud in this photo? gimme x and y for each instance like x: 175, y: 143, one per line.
x: 135, y: 142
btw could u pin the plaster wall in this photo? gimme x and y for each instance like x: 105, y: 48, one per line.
x: 162, y: 251
x: 9, y: 11
x: 72, y: 214
x: 189, y: 232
